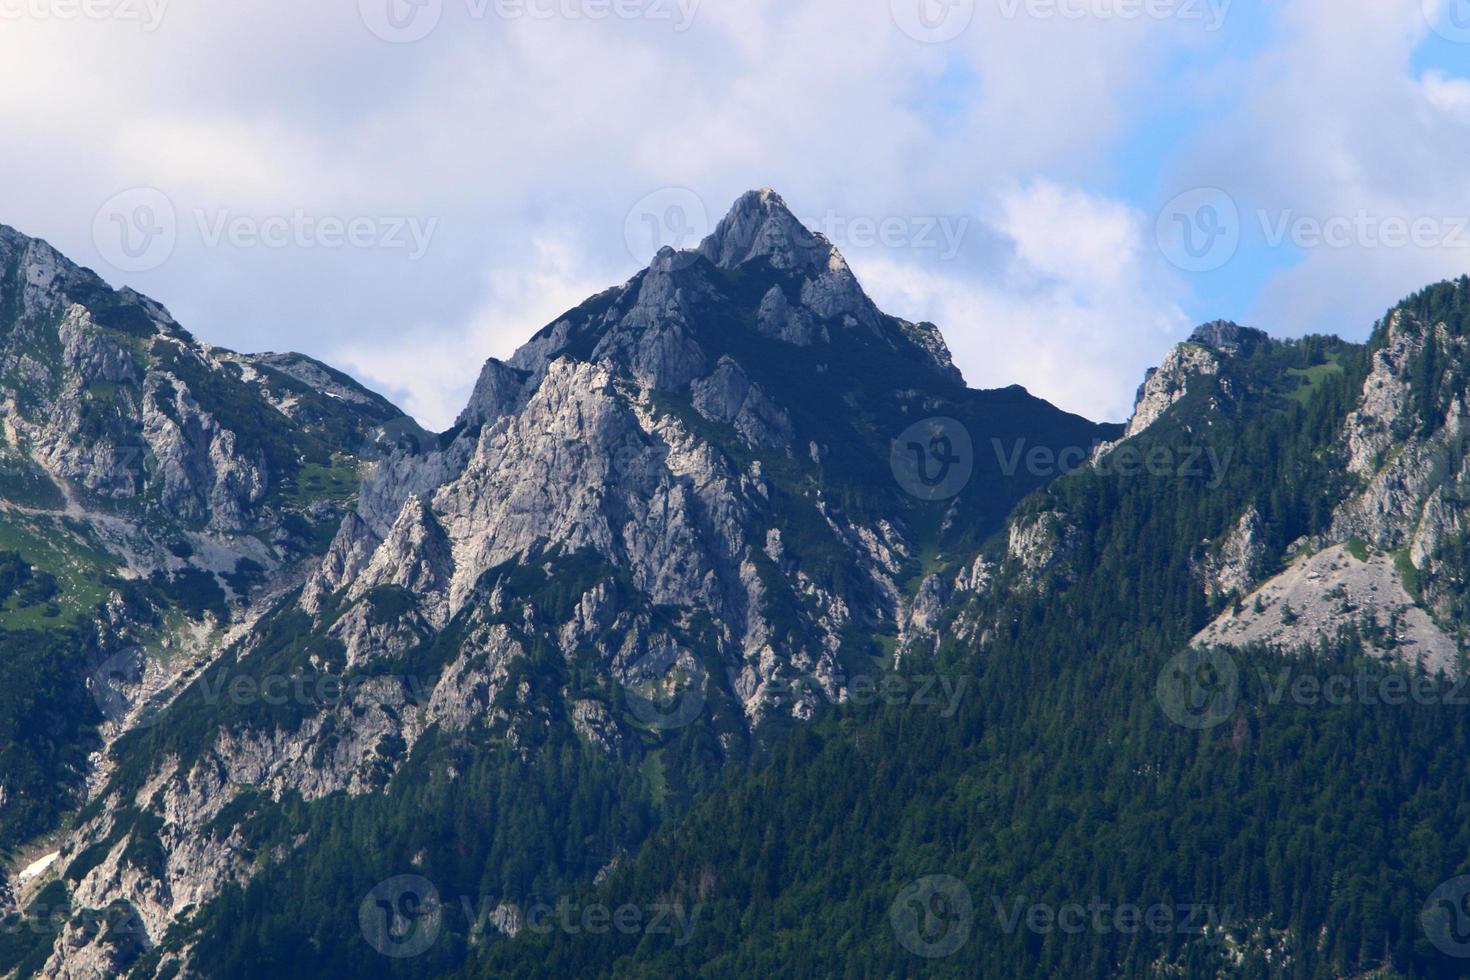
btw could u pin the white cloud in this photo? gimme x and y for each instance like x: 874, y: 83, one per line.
x: 1082, y: 310
x: 1334, y: 124
x: 519, y: 133
x: 431, y: 368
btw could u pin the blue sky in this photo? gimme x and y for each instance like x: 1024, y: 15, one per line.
x: 405, y: 187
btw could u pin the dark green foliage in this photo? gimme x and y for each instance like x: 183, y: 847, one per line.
x: 26, y: 937
x: 1060, y: 779
x: 45, y: 722
x: 25, y: 483
x: 246, y: 576
x: 195, y: 591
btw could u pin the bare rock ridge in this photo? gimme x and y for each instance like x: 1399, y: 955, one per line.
x: 685, y: 480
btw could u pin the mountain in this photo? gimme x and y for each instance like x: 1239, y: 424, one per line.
x: 155, y: 493
x: 727, y: 632
x: 693, y: 513
x: 1215, y: 723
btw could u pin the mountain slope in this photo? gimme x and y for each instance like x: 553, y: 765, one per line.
x: 1106, y: 801
x: 687, y: 515
x: 155, y: 493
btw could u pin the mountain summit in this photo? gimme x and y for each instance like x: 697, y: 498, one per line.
x: 760, y: 226
x: 655, y: 578
x: 724, y: 484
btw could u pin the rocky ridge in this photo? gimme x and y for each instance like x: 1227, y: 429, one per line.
x: 682, y: 487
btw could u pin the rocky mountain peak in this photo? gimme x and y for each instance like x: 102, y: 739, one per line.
x: 1228, y: 337
x: 760, y: 225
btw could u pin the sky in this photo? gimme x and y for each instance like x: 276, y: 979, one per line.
x: 403, y: 188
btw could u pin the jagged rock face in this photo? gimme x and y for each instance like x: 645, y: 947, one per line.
x: 146, y: 472
x: 1409, y: 478
x: 728, y: 396
x: 1228, y: 337
x: 1236, y: 564
x: 1168, y: 383
x: 1040, y: 544
x: 1200, y: 356
x: 117, y: 402
x: 577, y: 444
x: 683, y: 484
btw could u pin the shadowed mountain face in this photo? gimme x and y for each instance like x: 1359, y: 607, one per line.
x: 683, y: 517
